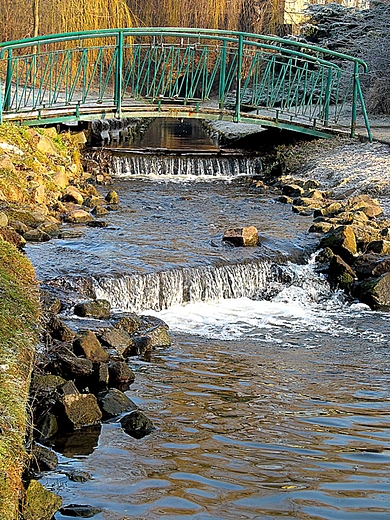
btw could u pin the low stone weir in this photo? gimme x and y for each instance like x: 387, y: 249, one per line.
x: 208, y: 166
x: 256, y: 279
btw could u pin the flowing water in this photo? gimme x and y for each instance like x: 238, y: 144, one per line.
x: 273, y: 400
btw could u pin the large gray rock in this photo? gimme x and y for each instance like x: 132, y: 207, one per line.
x: 375, y: 292
x: 118, y: 339
x: 87, y: 344
x: 60, y: 330
x: 137, y: 424
x: 121, y: 375
x: 80, y: 511
x: 93, y: 309
x: 130, y: 323
x: 371, y: 265
x: 69, y: 366
x: 114, y: 402
x: 43, y: 458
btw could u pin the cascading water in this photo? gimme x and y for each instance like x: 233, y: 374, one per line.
x: 189, y: 167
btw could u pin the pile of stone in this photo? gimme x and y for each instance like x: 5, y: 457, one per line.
x: 81, y: 375
x: 355, y: 243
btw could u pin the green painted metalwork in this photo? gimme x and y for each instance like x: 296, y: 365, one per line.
x: 193, y: 72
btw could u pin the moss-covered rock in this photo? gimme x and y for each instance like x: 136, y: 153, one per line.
x: 39, y: 503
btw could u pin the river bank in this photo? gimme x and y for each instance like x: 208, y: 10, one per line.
x: 320, y: 161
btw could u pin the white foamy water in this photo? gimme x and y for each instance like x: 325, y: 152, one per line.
x: 235, y: 318
x: 184, y: 168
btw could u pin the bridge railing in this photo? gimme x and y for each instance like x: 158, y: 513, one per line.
x: 238, y: 75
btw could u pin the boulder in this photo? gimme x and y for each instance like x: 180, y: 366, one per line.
x: 284, y: 199
x: 60, y: 178
x: 43, y: 458
x: 246, y: 236
x: 78, y: 216
x: 18, y: 226
x: 341, y: 274
x: 136, y: 424
x: 81, y: 410
x: 3, y: 219
x: 112, y: 197
x: 329, y: 210
x: 305, y: 211
x: 50, y: 228
x: 321, y: 227
x: 36, y: 235
x: 121, y: 375
x: 45, y: 145
x: 87, y: 344
x: 45, y: 383
x: 38, y: 194
x: 379, y: 246
x: 118, y: 339
x: 375, y: 292
x: 97, y: 223
x: 69, y: 366
x: 158, y: 336
x: 80, y: 511
x: 72, y: 194
x: 130, y: 323
x: 39, y: 503
x: 92, y: 202
x: 46, y: 427
x: 77, y: 475
x: 341, y: 241
x: 371, y: 265
x: 9, y: 235
x: 293, y: 190
x: 93, y: 309
x: 364, y: 235
x: 114, y: 402
x: 99, y: 211
x: 60, y: 330
x: 365, y: 204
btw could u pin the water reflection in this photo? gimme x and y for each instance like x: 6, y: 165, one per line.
x: 176, y: 134
x: 250, y: 431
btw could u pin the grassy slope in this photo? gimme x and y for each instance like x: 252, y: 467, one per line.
x: 19, y: 317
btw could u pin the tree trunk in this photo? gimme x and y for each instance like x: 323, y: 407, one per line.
x: 35, y: 18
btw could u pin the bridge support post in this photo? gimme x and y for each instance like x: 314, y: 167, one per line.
x: 222, y: 77
x: 327, y: 97
x: 8, y: 79
x: 119, y: 74
x: 354, y: 99
x: 237, y: 115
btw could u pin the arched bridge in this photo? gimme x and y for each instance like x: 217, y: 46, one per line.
x: 179, y: 72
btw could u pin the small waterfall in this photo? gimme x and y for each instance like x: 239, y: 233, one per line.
x: 186, y: 166
x: 162, y: 290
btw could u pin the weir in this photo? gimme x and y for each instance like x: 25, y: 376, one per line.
x: 170, y: 166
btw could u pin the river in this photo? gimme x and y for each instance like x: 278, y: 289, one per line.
x: 272, y: 401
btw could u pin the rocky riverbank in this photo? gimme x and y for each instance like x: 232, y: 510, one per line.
x: 79, y: 374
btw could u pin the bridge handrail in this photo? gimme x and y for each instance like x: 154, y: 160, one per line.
x: 175, y: 31
x: 284, y: 46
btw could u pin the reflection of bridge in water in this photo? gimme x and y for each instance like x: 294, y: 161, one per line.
x: 185, y: 73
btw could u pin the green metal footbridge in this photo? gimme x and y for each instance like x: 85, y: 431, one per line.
x: 184, y: 73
